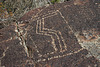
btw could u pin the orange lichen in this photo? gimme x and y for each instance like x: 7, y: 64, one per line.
x: 5, y: 12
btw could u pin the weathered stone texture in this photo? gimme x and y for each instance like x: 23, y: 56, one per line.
x: 53, y: 36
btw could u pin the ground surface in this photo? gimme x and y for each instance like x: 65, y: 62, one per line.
x: 61, y: 35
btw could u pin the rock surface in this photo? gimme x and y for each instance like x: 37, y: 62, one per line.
x: 61, y: 35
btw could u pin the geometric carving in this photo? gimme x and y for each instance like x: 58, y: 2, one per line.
x: 57, y: 41
x: 52, y: 33
x: 47, y: 37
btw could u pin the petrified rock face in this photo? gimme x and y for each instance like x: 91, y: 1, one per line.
x: 52, y: 36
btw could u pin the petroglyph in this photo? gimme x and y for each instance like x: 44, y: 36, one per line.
x: 44, y: 31
x: 59, y: 35
x: 55, y: 35
x: 60, y: 56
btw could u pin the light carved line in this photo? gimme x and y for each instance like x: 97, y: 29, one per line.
x: 43, y: 33
x: 3, y: 56
x: 21, y: 38
x: 52, y: 31
x: 36, y: 48
x: 60, y: 56
x: 65, y: 21
x: 6, y: 40
x: 52, y: 13
x: 55, y: 32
